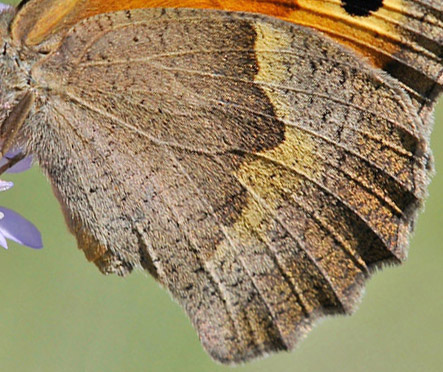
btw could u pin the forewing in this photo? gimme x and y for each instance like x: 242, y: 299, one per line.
x: 257, y: 170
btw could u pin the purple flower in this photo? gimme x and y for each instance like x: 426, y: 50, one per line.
x: 13, y: 226
x: 4, y: 7
x: 18, y: 229
x: 21, y: 166
x: 5, y: 185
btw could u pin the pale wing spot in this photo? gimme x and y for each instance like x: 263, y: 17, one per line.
x: 297, y: 148
x: 295, y: 151
x: 271, y: 70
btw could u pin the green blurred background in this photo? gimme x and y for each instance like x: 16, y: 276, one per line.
x: 58, y: 313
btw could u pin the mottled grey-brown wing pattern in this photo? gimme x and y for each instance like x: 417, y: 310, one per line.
x: 256, y: 169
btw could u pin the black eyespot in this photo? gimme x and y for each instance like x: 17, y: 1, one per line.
x: 361, y: 8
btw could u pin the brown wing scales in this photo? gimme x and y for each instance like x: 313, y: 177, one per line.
x: 260, y: 196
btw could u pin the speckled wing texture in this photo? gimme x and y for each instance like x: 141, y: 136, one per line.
x: 258, y: 170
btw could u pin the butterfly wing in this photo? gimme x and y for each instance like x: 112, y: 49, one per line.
x: 402, y: 37
x: 207, y: 148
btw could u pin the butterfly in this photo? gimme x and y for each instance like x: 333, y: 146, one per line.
x: 259, y: 158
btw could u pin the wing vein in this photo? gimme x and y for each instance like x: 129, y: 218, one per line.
x: 298, y: 241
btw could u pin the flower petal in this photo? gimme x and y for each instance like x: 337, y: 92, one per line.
x: 5, y: 185
x: 21, y: 166
x: 3, y: 242
x: 18, y: 229
x: 4, y: 7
